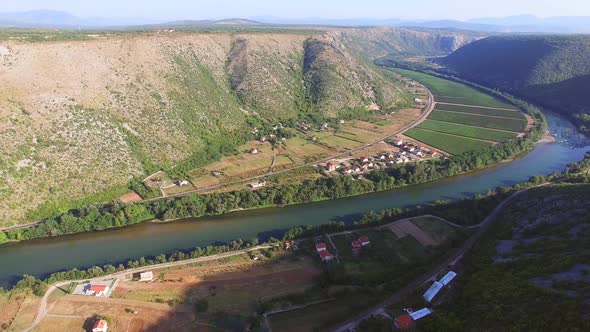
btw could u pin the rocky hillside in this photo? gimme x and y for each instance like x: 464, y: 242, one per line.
x: 552, y: 70
x: 82, y: 117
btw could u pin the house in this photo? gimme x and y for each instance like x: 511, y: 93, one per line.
x: 356, y: 169
x: 418, y: 100
x: 330, y: 167
x: 325, y: 126
x: 100, y: 325
x: 364, y: 241
x: 447, y: 278
x: 420, y: 313
x: 183, y: 183
x: 399, y: 143
x: 403, y: 322
x: 432, y: 291
x: 419, y: 154
x: 146, y: 276
x: 257, y: 185
x: 263, y: 139
x: 314, y: 138
x: 364, y: 166
x: 356, y: 244
x: 382, y: 157
x: 253, y: 151
x: 356, y: 251
x: 326, y: 256
x: 347, y: 170
x: 96, y: 290
x: 363, y: 159
x: 320, y: 246
x: 341, y: 122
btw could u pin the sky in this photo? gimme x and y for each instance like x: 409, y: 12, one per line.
x: 290, y: 9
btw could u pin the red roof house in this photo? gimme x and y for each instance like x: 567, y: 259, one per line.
x: 403, y: 322
x: 325, y: 255
x: 321, y: 247
x: 100, y: 326
x: 364, y: 240
x: 97, y: 290
x: 356, y: 244
x: 330, y: 167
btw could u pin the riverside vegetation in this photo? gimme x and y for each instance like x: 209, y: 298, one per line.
x: 464, y: 212
x: 103, y: 216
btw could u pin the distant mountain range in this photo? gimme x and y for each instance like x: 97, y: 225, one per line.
x: 511, y: 24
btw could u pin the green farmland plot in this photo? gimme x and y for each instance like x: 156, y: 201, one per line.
x: 482, y: 111
x: 467, y: 131
x: 458, y: 93
x: 515, y: 125
x: 450, y: 143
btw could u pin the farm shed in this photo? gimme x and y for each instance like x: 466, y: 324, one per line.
x: 421, y: 313
x: 447, y: 278
x: 432, y: 291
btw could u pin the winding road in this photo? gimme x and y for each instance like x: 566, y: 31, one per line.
x: 42, y: 311
x: 431, y: 275
x: 416, y: 122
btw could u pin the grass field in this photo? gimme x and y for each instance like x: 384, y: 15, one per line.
x: 449, y: 143
x: 510, y: 124
x: 442, y: 88
x: 467, y: 131
x: 438, y: 230
x: 480, y: 110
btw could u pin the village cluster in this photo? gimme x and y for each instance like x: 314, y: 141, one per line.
x: 408, y: 152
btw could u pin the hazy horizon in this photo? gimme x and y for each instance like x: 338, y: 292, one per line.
x: 305, y: 9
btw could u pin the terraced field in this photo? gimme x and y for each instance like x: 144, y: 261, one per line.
x: 465, y: 118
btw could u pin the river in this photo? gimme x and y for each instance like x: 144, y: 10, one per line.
x: 41, y: 257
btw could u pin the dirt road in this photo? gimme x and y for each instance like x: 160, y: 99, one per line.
x: 42, y: 311
x: 432, y: 274
x: 421, y: 119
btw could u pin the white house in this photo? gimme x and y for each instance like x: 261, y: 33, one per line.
x: 100, y: 325
x: 146, y: 276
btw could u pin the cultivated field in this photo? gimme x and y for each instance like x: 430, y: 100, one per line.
x: 450, y: 143
x: 484, y: 121
x: 465, y: 119
x: 467, y: 131
x: 481, y: 110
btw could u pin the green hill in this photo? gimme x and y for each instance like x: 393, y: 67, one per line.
x: 83, y: 113
x: 553, y: 71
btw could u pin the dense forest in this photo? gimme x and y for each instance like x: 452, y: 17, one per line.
x: 553, y: 71
x: 531, y: 271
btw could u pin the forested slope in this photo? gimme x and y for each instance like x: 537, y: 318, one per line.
x: 551, y: 70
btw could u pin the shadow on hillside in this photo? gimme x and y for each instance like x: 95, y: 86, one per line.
x: 229, y: 299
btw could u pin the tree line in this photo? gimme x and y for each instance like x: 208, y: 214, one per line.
x: 100, y: 217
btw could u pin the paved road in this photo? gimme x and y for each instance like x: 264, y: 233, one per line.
x: 421, y: 119
x: 432, y: 274
x: 42, y: 311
